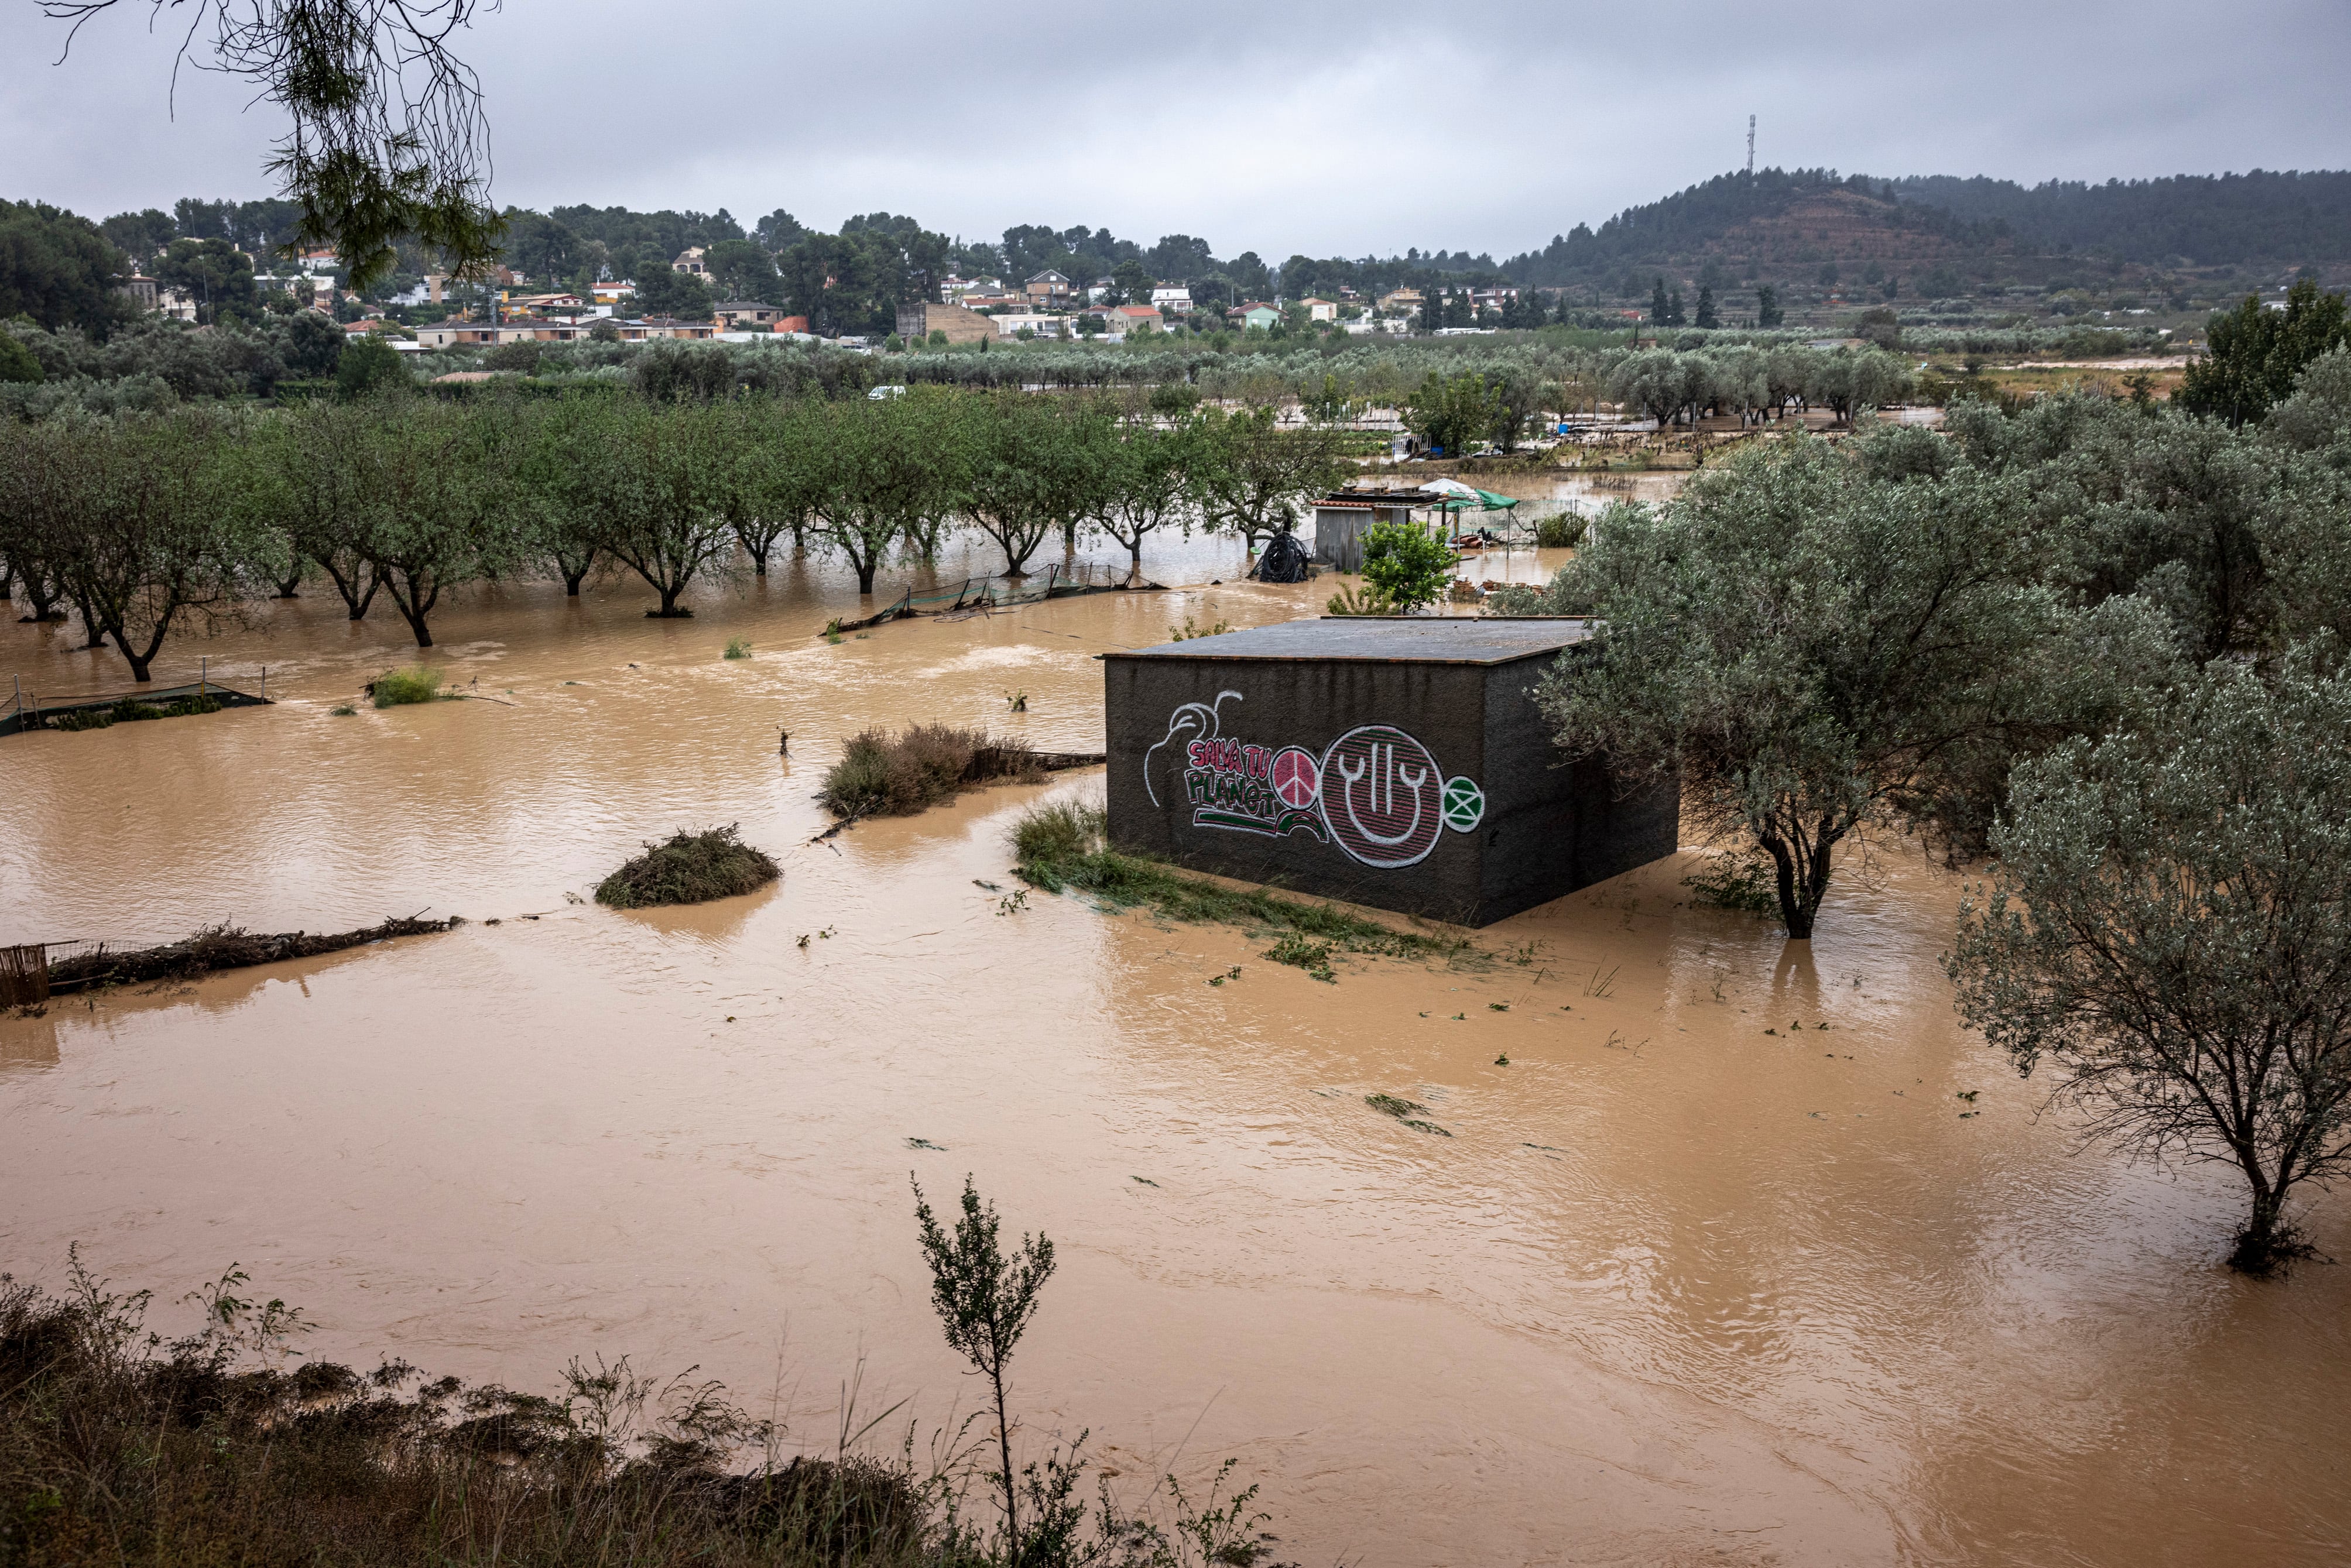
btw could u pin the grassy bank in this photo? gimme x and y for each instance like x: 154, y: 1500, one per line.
x: 1061, y: 844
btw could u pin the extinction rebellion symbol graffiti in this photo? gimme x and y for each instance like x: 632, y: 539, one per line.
x: 1376, y: 792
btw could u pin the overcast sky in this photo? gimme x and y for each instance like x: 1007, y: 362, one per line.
x: 1350, y: 129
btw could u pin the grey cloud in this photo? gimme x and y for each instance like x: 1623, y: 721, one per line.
x: 1363, y: 128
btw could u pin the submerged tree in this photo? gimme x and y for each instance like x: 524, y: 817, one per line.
x: 2170, y: 925
x: 151, y: 541
x: 1812, y: 649
x: 985, y: 1299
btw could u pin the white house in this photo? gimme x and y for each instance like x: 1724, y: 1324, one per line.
x: 1171, y: 300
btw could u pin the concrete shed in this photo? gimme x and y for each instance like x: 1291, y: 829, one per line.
x: 1393, y: 761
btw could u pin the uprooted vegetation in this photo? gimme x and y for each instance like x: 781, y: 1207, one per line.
x: 880, y: 774
x: 117, y: 1447
x: 689, y: 867
x: 417, y: 684
x: 220, y: 948
x: 1063, y: 844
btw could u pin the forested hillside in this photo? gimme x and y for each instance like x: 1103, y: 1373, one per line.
x: 2197, y: 220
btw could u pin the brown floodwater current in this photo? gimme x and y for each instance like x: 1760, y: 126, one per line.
x: 1693, y: 1279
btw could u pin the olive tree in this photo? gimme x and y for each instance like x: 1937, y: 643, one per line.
x: 2169, y: 925
x: 1812, y: 650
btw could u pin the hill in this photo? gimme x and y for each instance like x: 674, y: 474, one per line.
x: 1822, y: 240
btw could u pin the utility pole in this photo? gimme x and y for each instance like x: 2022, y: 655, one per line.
x: 1751, y: 147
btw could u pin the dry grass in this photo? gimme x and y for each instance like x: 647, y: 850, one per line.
x: 689, y: 867
x: 882, y: 776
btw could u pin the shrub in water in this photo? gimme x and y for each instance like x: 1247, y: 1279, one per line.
x: 417, y: 684
x: 1564, y: 531
x: 878, y: 775
x: 738, y: 648
x: 1057, y: 830
x: 688, y: 868
x: 1743, y: 882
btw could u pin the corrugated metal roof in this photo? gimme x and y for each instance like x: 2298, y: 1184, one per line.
x: 1417, y: 639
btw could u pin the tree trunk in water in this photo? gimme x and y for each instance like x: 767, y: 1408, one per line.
x: 2264, y: 1242
x: 93, y: 635
x: 416, y: 624
x: 139, y: 664
x: 287, y: 586
x: 43, y: 595
x: 865, y: 575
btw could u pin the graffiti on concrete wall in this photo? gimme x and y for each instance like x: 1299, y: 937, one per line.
x: 1376, y: 792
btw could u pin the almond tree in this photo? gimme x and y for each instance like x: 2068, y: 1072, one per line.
x: 148, y: 541
x: 658, y: 489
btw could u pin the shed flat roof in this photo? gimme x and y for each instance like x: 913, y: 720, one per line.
x: 1414, y: 639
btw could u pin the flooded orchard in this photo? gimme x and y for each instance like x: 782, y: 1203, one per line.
x: 1748, y: 1254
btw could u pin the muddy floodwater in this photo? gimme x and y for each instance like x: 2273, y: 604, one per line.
x: 1720, y: 1268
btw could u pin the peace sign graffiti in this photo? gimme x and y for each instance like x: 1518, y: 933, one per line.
x: 1296, y: 777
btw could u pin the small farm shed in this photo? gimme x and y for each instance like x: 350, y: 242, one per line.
x: 1393, y: 761
x: 1341, y: 518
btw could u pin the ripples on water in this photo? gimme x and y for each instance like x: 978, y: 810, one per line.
x: 1675, y: 1289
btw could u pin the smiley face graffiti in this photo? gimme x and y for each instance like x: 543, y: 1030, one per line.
x: 1382, y: 796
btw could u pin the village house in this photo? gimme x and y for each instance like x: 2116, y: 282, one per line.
x: 1171, y: 298
x: 918, y: 319
x: 1400, y: 302
x: 1255, y: 313
x: 1012, y: 322
x: 1321, y: 309
x: 690, y: 260
x: 736, y: 314
x: 490, y: 334
x: 1048, y: 288
x: 1128, y: 319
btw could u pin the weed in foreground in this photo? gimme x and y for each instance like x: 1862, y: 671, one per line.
x: 226, y: 1446
x: 689, y: 867
x: 1299, y: 951
x: 738, y: 648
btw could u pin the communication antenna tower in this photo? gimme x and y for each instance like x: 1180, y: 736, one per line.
x: 1751, y: 144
